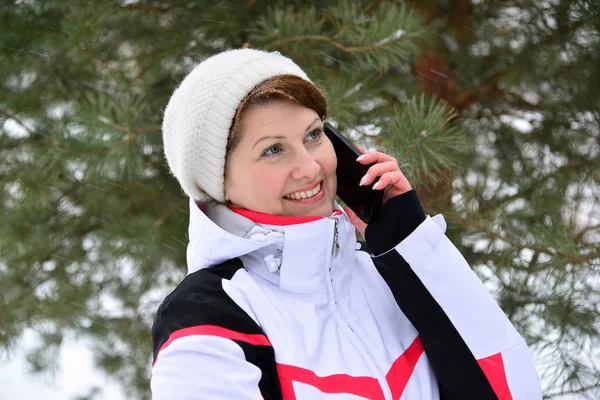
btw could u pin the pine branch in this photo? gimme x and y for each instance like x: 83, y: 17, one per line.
x: 161, y: 8
x: 574, y: 391
x: 62, y: 83
x: 422, y: 137
x: 366, y: 10
x: 343, y: 29
x: 587, y: 229
x: 170, y: 211
x: 332, y: 42
x: 470, y: 95
x: 570, y: 168
x: 4, y: 318
x: 541, y: 248
x: 85, y: 44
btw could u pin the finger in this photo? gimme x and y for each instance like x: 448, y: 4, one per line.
x: 395, y: 180
x: 358, y: 223
x: 362, y: 150
x: 378, y: 170
x: 373, y: 157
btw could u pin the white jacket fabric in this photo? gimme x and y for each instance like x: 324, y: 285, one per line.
x: 293, y: 309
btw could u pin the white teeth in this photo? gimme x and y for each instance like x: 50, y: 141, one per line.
x: 304, y: 195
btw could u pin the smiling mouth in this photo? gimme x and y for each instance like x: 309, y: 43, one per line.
x: 307, y: 194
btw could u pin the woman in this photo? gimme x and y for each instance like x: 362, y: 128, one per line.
x: 280, y: 302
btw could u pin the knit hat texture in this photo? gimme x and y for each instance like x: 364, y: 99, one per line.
x: 200, y: 112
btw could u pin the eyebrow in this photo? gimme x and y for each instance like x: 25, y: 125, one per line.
x: 283, y: 137
x: 267, y: 137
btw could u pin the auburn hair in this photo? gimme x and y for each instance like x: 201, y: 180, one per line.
x: 280, y: 87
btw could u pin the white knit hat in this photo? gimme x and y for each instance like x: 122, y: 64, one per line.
x: 200, y: 112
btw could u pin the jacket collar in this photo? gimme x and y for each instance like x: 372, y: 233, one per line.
x: 295, y: 256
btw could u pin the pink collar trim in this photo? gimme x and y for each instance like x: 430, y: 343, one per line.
x: 277, y: 220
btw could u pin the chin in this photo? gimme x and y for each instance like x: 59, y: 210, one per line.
x: 324, y: 210
x: 328, y: 210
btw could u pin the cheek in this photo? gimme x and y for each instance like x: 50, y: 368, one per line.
x: 269, y: 182
x: 328, y: 160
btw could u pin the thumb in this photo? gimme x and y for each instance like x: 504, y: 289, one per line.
x: 358, y: 223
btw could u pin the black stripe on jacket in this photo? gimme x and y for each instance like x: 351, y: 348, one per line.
x: 458, y: 372
x: 200, y: 300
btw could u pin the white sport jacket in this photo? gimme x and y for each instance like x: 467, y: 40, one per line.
x: 293, y: 309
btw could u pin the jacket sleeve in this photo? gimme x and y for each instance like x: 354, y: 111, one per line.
x: 204, y: 367
x: 207, y: 347
x: 473, y: 348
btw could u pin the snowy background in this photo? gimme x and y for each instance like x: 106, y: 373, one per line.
x: 76, y: 375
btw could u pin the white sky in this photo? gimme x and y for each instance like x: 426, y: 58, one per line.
x: 76, y: 375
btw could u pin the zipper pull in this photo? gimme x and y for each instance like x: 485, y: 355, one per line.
x: 336, y: 244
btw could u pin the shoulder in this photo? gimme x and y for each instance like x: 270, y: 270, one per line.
x: 200, y: 303
x: 205, y: 282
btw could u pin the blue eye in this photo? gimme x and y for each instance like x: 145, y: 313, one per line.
x: 272, y: 151
x: 316, y: 134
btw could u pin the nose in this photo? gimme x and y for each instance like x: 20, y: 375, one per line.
x: 306, y: 167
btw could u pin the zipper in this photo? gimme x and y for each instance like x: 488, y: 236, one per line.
x: 258, y: 231
x: 385, y: 387
x: 335, y: 252
x: 336, y: 244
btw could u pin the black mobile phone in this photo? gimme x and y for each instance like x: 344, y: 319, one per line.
x: 363, y: 200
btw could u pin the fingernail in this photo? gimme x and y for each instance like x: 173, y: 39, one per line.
x: 361, y: 157
x: 375, y: 186
x: 363, y: 180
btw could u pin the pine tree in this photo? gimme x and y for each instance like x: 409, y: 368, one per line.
x: 491, y: 108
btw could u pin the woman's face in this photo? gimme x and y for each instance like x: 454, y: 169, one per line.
x: 284, y: 164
